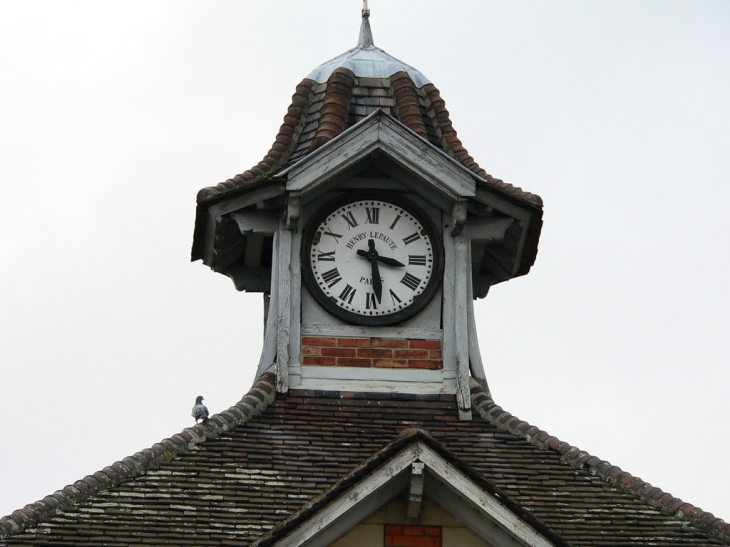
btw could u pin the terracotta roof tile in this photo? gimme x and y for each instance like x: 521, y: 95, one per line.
x: 237, y: 476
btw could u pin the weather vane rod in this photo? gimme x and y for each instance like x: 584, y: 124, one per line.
x: 366, y: 35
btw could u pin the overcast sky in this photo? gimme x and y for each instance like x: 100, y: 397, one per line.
x: 114, y: 114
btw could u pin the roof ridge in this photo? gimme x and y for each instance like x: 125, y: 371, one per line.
x: 258, y: 398
x: 614, y: 475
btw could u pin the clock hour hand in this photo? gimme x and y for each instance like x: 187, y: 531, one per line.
x: 390, y: 262
x: 384, y: 259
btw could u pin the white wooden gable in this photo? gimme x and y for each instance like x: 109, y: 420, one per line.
x: 384, y: 134
x: 418, y: 472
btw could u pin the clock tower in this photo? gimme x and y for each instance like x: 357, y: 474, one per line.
x: 370, y: 231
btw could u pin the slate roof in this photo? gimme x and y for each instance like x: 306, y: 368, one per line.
x: 234, y: 478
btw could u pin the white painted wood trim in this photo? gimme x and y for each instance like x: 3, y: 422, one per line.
x: 267, y: 192
x: 490, y: 506
x: 419, y: 333
x: 373, y: 491
x: 425, y: 161
x: 475, y: 356
x: 259, y: 222
x: 447, y: 313
x: 295, y: 339
x: 487, y: 229
x: 379, y: 131
x: 461, y: 348
x: 284, y: 315
x: 268, y: 352
x: 408, y: 375
x: 306, y: 534
x: 378, y: 386
x: 502, y: 205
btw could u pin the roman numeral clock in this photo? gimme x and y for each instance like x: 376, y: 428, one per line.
x: 372, y: 259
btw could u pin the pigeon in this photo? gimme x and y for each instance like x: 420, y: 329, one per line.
x: 200, y: 411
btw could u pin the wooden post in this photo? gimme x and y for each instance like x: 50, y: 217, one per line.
x: 284, y: 315
x: 475, y: 356
x: 462, y: 277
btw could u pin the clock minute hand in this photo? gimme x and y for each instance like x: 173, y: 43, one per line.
x: 373, y: 256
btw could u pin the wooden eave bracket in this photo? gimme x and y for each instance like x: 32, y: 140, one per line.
x: 293, y: 211
x: 458, y: 216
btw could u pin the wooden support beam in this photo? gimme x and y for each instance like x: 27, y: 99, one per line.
x: 461, y: 348
x: 475, y: 356
x: 268, y: 352
x: 415, y: 496
x: 284, y: 315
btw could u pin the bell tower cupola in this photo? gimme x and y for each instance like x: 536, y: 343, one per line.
x: 370, y: 230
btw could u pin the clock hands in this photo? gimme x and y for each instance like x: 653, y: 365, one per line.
x: 372, y: 255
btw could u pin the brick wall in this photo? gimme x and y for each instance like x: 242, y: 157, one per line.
x: 371, y: 352
x: 412, y: 536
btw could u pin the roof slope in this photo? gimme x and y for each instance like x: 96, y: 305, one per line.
x: 235, y: 478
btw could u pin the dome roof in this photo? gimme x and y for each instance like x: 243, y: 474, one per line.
x: 342, y: 92
x: 367, y: 61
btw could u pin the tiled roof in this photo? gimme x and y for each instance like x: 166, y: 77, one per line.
x: 231, y: 480
x: 321, y: 111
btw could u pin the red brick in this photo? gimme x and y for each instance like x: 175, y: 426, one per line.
x: 426, y: 344
x: 310, y: 350
x: 339, y: 352
x: 413, y: 541
x: 393, y: 530
x: 420, y: 363
x: 390, y: 343
x: 391, y: 363
x: 433, y: 531
x: 354, y: 342
x: 413, y: 531
x: 325, y: 361
x: 319, y: 341
x: 411, y: 354
x: 436, y: 354
x: 347, y: 362
x: 377, y: 353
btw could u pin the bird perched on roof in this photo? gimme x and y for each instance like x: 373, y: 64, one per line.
x: 200, y: 411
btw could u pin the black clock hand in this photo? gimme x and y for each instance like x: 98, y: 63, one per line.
x: 384, y: 259
x: 373, y: 256
x: 390, y: 262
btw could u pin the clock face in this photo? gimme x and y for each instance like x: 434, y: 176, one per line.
x: 372, y: 260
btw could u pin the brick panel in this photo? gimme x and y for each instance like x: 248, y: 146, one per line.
x: 348, y: 351
x: 412, y: 536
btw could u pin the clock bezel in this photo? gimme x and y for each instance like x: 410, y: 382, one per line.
x: 419, y: 302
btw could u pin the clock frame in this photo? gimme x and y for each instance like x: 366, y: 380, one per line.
x: 338, y: 271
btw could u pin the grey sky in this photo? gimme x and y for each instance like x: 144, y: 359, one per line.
x: 114, y: 114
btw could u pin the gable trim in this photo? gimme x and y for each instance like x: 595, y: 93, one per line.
x: 379, y: 131
x: 488, y: 512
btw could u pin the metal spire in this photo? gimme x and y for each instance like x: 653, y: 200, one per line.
x: 366, y: 35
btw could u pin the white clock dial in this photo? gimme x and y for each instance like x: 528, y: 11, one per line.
x: 371, y: 258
